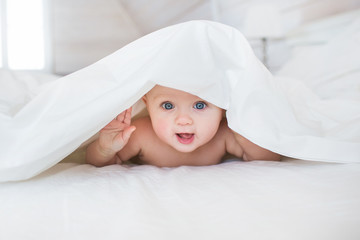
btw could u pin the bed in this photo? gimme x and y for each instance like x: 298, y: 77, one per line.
x: 291, y: 199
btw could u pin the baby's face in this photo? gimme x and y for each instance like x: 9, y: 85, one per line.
x: 182, y: 120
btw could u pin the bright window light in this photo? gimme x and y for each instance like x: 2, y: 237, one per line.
x: 25, y: 34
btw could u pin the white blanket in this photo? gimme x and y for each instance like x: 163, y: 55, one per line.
x: 205, y: 58
x: 257, y: 200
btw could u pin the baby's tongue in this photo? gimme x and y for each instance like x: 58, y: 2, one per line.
x: 185, y: 135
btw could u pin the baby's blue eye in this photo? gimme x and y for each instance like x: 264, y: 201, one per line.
x: 167, y: 105
x: 200, y: 105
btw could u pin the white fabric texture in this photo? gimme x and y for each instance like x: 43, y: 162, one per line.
x: 208, y: 59
x: 257, y: 200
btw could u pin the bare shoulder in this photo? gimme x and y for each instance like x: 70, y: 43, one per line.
x: 137, y: 139
x: 143, y: 130
x: 241, y: 147
x: 233, y: 147
x: 143, y: 122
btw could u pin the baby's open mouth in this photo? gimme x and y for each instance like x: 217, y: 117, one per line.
x: 185, y: 138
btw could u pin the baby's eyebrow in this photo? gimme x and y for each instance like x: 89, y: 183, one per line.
x: 162, y: 96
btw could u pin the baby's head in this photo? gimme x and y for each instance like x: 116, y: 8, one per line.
x: 182, y: 120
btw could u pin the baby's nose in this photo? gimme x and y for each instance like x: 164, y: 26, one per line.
x: 184, y: 119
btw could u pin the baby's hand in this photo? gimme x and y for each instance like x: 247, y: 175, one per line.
x: 114, y: 136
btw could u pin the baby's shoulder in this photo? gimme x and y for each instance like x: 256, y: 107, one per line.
x: 229, y: 137
x: 143, y: 127
x: 224, y: 131
x: 224, y: 134
x: 142, y: 122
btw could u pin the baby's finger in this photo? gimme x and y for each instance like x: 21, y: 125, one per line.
x: 127, y: 118
x: 125, y: 136
x: 124, y: 115
x: 121, y: 116
x: 115, y: 126
x: 127, y: 132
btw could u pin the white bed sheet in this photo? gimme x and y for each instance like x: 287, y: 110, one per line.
x: 293, y: 199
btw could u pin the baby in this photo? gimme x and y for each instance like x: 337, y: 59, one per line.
x: 181, y: 129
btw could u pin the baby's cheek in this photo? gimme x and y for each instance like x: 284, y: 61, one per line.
x: 209, y: 129
x: 162, y: 128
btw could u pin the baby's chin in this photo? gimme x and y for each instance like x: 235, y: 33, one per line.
x: 184, y: 148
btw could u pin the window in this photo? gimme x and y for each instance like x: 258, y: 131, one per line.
x: 22, y: 42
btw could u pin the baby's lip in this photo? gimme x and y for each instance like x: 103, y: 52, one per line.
x: 185, y: 138
x: 185, y: 135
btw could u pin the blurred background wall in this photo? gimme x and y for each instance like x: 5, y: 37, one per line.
x: 80, y: 32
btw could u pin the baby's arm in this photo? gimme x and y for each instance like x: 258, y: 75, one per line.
x: 241, y: 147
x: 113, y: 137
x: 251, y: 151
